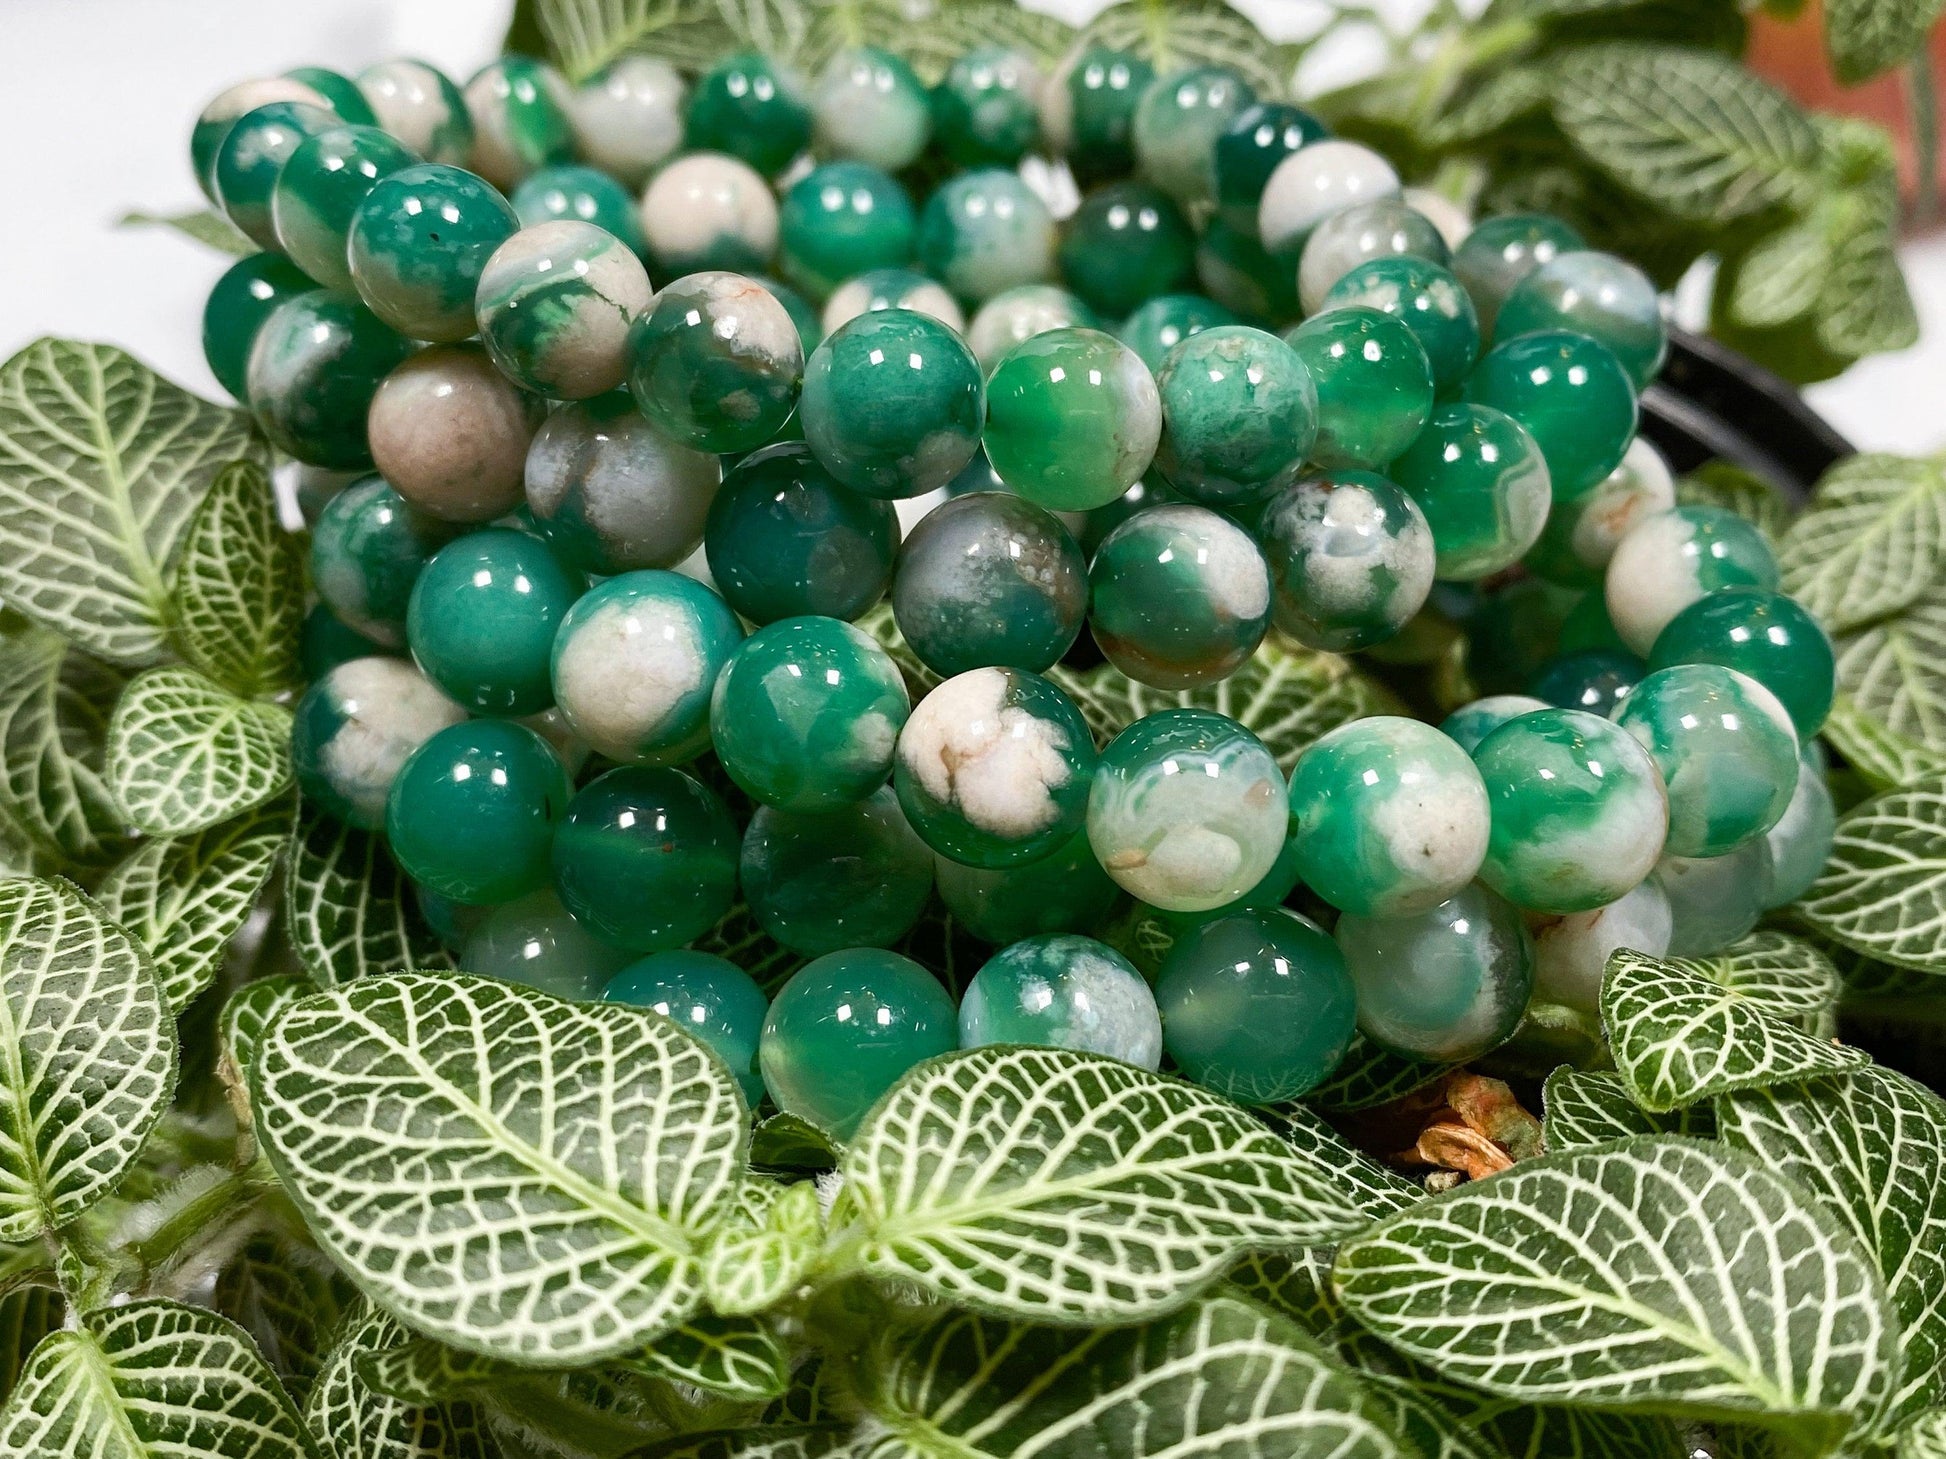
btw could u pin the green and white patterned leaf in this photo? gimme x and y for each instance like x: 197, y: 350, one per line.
x: 767, y: 1441
x: 55, y: 704
x: 1867, y: 306
x: 1377, y: 1190
x: 932, y: 36
x: 205, y: 225
x: 348, y: 909
x: 1924, y: 1437
x: 1873, y: 1144
x: 516, y: 1175
x: 290, y: 1300
x: 1656, y: 1274
x: 239, y: 1031
x: 102, y: 461
x: 764, y: 1248
x: 811, y: 1399
x: 27, y: 1314
x: 1591, y: 1107
x: 184, y: 753
x: 1071, y: 1188
x: 1297, y: 1284
x: 1564, y: 1431
x: 152, y: 1378
x: 1500, y: 97
x: 184, y: 899
x: 1882, y: 758
x: 585, y: 35
x: 1433, y: 1430
x: 1783, y: 277
x: 1784, y: 975
x: 1368, y: 1076
x: 1883, y: 892
x: 738, y: 937
x: 353, y: 1421
x: 1865, y: 37
x: 736, y: 1357
x: 87, y: 1056
x: 1174, y: 34
x: 240, y: 587
x: 1872, y: 541
x: 1895, y: 671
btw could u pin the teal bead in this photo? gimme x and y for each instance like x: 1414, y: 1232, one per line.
x: 1595, y: 294
x: 1178, y: 123
x: 893, y: 404
x: 314, y: 367
x: 1181, y: 597
x: 1021, y: 313
x: 1493, y: 259
x: 1236, y: 271
x: 340, y: 92
x: 1239, y: 414
x: 318, y: 191
x: 1063, y: 992
x: 993, y: 768
x: 1066, y: 891
x: 1579, y: 812
x: 1581, y: 535
x: 1389, y: 816
x: 1512, y: 631
x: 1374, y: 386
x: 536, y: 942
x: 472, y: 813
x: 252, y: 153
x: 1157, y: 326
x: 1187, y: 811
x: 784, y: 539
x: 867, y: 104
x: 1474, y: 721
x: 985, y: 109
x: 1382, y: 228
x: 555, y: 304
x: 753, y: 109
x: 646, y: 858
x: 1351, y: 560
x: 1088, y: 111
x: 243, y: 299
x: 1257, y: 139
x: 1715, y: 901
x: 717, y: 362
x: 844, y: 1030
x: 890, y: 288
x: 710, y: 998
x: 840, y: 220
x: 420, y: 106
x: 367, y: 550
x: 418, y: 244
x: 1587, y: 625
x: 1726, y: 749
x: 215, y: 120
x: 1571, y: 394
x: 356, y: 726
x: 1597, y: 680
x: 806, y: 713
x: 1073, y: 419
x: 482, y: 617
x: 453, y: 922
x: 1256, y: 1005
x: 523, y: 119
x: 1433, y: 305
x: 1482, y: 482
x: 1443, y: 986
x: 1126, y: 243
x: 985, y: 232
x: 323, y: 643
x: 1763, y: 634
x: 855, y: 877
x: 1800, y: 842
x: 572, y: 193
x: 708, y: 211
x: 810, y: 327
x: 1672, y: 559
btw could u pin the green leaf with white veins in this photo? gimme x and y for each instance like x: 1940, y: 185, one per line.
x: 765, y: 1247
x: 1882, y: 758
x: 1883, y: 890
x: 1592, y: 1107
x: 1924, y: 1437
x: 1072, y: 1188
x: 518, y: 1176
x: 766, y: 1441
x: 1871, y: 542
x: 1895, y: 670
x: 348, y: 909
x: 240, y: 587
x: 102, y: 461
x: 1378, y: 1190
x: 354, y: 1421
x: 1865, y: 37
x: 737, y: 1357
x: 55, y: 704
x: 184, y: 753
x: 1185, y: 33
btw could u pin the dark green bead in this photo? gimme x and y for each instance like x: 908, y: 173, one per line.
x: 1500, y: 252
x: 1126, y: 243
x: 855, y: 877
x: 1256, y: 140
x: 572, y: 192
x: 985, y: 108
x: 1239, y: 414
x: 1429, y: 299
x: 1237, y: 272
x: 716, y: 362
x: 1483, y: 485
x: 1065, y: 892
x: 1178, y: 122
x: 1152, y: 490
x: 324, y: 642
x: 1374, y: 386
x: 841, y: 220
x: 482, y: 619
x: 419, y: 242
x: 1089, y: 111
x: 752, y: 109
x: 473, y: 813
x: 646, y: 858
x: 1573, y: 396
x: 253, y: 152
x: 985, y: 232
x: 314, y: 368
x: 710, y: 997
x: 1595, y: 294
x: 367, y: 550
x: 318, y: 192
x: 1181, y: 597
x: 536, y: 942
x: 1159, y: 325
x: 1596, y: 680
x: 340, y: 91
x: 523, y: 119
x: 1474, y: 721
x: 1763, y: 634
x: 247, y: 295
x: 1588, y: 625
x: 215, y: 120
x: 355, y: 727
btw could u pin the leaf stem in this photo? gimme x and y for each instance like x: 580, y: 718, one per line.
x: 1922, y: 99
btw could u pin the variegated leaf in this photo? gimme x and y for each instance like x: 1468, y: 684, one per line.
x: 240, y: 587
x: 184, y: 753
x: 1872, y: 540
x: 764, y: 1248
x: 1883, y: 890
x: 1592, y: 1107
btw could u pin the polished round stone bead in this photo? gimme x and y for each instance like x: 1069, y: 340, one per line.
x: 1800, y: 842
x: 1597, y: 680
x: 1474, y: 721
x: 854, y: 877
x: 1581, y: 535
x: 844, y: 1030
x: 1178, y: 122
x: 1237, y: 273
x: 1256, y: 1005
x: 806, y: 713
x: 1587, y: 625
x: 451, y: 433
x: 367, y: 550
x: 1579, y: 812
x: 1021, y: 313
x: 784, y: 539
x: 709, y: 211
x: 1571, y: 953
x: 1374, y: 385
x: 1187, y: 811
x: 523, y: 119
x: 1571, y: 394
x: 419, y: 241
x: 841, y: 220
x: 1073, y: 419
x: 1314, y: 182
x: 356, y: 726
x: 810, y: 328
x: 1672, y: 559
x: 993, y: 768
x: 890, y: 288
x: 1430, y: 301
x: 572, y: 193
x: 215, y: 120
x: 313, y: 369
x: 1445, y: 985
x: 634, y: 663
x: 752, y: 108
x: 243, y: 299
x: 1126, y: 244
x: 555, y: 303
x: 482, y: 618
x: 716, y: 362
x: 323, y: 643
x: 1512, y: 630
x: 710, y: 997
x: 251, y: 155
x: 1350, y: 558
x: 1715, y: 900
x: 339, y: 91
x: 1250, y: 149
x: 536, y: 942
x: 1063, y: 992
x: 868, y: 105
x: 1482, y: 482
x: 420, y: 106
x: 1066, y: 891
x: 1158, y: 325
x: 893, y: 404
x: 646, y: 858
x: 629, y: 118
x: 1088, y: 111
x: 1389, y: 817
x: 1499, y: 252
x: 318, y: 191
x: 1382, y: 228
x: 985, y: 232
x: 1239, y: 414
x: 1595, y: 294
x: 472, y: 813
x: 1763, y: 634
x: 986, y: 108
x: 1181, y: 597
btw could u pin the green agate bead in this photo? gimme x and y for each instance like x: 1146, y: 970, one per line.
x: 323, y: 643
x: 1471, y: 723
x: 1443, y: 986
x: 367, y: 550
x: 1512, y: 630
x: 868, y: 104
x: 253, y: 152
x: 1235, y: 271
x: 1063, y: 992
x: 1763, y: 634
x: 453, y: 922
x: 993, y: 768
x: 356, y: 726
x: 1350, y: 557
x: 420, y: 106
x: 707, y: 211
x: 1571, y: 394
x: 629, y: 119
x: 340, y: 93
x: 1596, y: 294
x: 1187, y: 811
x: 1382, y: 228
x: 523, y: 119
x: 893, y: 404
x: 810, y: 328
x: 1021, y: 313
x: 1257, y: 139
x: 985, y: 232
x: 244, y: 298
x: 1597, y: 680
x: 1579, y: 812
x: 1581, y: 535
x: 845, y: 1029
x: 855, y: 877
x: 1587, y: 625
x: 482, y: 617
x: 419, y: 242
x: 1239, y: 414
x: 710, y: 997
x: 555, y: 304
x: 784, y: 539
x: 1181, y: 597
x: 215, y: 120
x: 1073, y: 419
x: 717, y: 362
x: 1374, y: 386
x: 1126, y: 243
x: 1066, y: 891
x: 752, y: 109
x: 314, y: 367
x: 1158, y: 326
x: 1179, y: 121
x: 986, y: 109
x: 1726, y: 750
x: 806, y: 713
x: 1674, y: 558
x: 1256, y: 1005
x: 1430, y: 301
x: 1571, y: 953
x: 1502, y: 251
x: 647, y: 858
x: 577, y: 194
x: 318, y: 191
x: 634, y: 663
x: 890, y: 288
x: 472, y: 813
x: 1088, y: 111
x: 1389, y: 817
x: 1314, y: 182
x: 1715, y: 900
x: 1800, y: 842
x: 841, y: 220
x: 535, y: 941
x: 1482, y: 482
